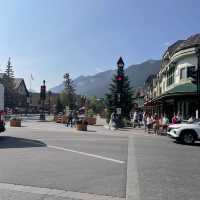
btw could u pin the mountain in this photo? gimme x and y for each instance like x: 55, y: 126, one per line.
x: 98, y: 84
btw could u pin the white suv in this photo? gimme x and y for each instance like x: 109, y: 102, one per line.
x: 187, y: 133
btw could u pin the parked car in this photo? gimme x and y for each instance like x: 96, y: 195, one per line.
x: 186, y: 133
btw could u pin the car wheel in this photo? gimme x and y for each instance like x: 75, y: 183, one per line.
x: 188, y: 137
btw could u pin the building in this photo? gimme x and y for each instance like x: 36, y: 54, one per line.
x: 171, y: 90
x: 50, y: 102
x: 138, y: 99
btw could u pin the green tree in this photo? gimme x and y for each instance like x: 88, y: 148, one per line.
x: 59, y: 106
x: 120, y: 93
x: 97, y: 105
x: 10, y: 96
x: 68, y: 95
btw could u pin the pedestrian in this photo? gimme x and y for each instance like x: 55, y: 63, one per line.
x: 145, y: 121
x: 112, y: 123
x: 178, y: 118
x: 156, y: 124
x: 174, y: 119
x: 70, y: 119
x: 165, y: 122
x: 149, y: 122
x: 140, y: 117
x: 135, y: 119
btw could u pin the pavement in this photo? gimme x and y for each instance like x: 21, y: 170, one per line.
x: 45, y: 160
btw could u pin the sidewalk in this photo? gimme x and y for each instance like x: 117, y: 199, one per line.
x: 57, y: 127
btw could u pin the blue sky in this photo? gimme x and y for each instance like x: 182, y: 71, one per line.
x: 82, y: 37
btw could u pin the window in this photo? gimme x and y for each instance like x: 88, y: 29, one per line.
x: 170, y: 76
x: 190, y: 70
x: 183, y: 73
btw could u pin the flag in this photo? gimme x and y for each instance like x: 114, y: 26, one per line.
x: 32, y: 77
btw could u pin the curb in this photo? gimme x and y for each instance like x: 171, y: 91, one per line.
x: 132, y: 184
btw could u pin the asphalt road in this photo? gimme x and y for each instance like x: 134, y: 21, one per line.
x: 48, y: 161
x: 66, y: 161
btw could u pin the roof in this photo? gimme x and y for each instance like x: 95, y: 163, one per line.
x: 184, y: 88
x: 192, y: 41
x: 17, y: 82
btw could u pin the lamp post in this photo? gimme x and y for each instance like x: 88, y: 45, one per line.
x: 42, y: 99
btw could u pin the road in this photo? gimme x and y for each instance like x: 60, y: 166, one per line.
x: 49, y: 161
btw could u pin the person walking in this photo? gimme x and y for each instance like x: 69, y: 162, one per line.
x: 112, y: 123
x: 149, y: 123
x: 165, y: 122
x: 135, y: 119
x: 174, y: 119
x: 145, y: 121
x: 156, y: 124
x: 140, y: 117
x: 70, y: 119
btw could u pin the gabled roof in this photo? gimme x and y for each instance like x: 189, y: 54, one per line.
x: 18, y: 81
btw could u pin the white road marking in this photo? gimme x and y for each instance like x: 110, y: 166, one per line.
x: 132, y: 184
x: 86, y: 154
x: 56, y: 193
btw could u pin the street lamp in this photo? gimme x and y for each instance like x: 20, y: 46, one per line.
x: 42, y: 99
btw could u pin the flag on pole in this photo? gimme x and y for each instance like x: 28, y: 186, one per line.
x: 32, y: 77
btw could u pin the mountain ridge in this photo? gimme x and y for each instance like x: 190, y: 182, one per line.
x: 137, y: 74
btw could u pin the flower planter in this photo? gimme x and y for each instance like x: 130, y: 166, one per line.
x: 91, y: 120
x: 55, y: 118
x: 81, y: 125
x: 64, y: 119
x: 15, y: 122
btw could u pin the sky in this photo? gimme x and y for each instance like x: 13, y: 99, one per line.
x: 47, y: 38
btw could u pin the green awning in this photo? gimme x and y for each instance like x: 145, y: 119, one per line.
x: 184, y: 88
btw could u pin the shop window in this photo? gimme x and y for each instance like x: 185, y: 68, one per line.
x: 190, y: 70
x: 183, y: 73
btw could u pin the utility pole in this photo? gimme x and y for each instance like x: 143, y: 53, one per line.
x: 42, y: 99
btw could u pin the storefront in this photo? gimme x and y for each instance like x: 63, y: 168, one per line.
x: 181, y: 99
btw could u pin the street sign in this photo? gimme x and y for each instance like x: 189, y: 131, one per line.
x: 119, y: 111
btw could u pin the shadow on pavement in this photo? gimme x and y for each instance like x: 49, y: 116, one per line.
x: 197, y: 144
x: 14, y: 142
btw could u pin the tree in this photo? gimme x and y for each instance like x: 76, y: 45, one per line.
x: 68, y: 96
x: 59, y: 105
x: 9, y: 69
x: 10, y: 96
x: 96, y: 105
x: 120, y: 93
